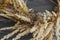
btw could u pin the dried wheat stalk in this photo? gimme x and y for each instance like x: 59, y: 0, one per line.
x: 40, y: 24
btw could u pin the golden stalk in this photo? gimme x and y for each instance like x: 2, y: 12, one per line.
x: 40, y: 24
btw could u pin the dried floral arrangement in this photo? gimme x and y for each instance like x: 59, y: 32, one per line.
x: 40, y: 24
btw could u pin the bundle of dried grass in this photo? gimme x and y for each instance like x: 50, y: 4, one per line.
x: 40, y: 24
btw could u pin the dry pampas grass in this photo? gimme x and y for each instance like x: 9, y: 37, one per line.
x: 41, y: 25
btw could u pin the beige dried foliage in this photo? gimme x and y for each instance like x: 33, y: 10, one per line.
x: 40, y: 24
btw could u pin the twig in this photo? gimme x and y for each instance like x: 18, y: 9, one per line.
x: 7, y: 28
x: 21, y: 34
